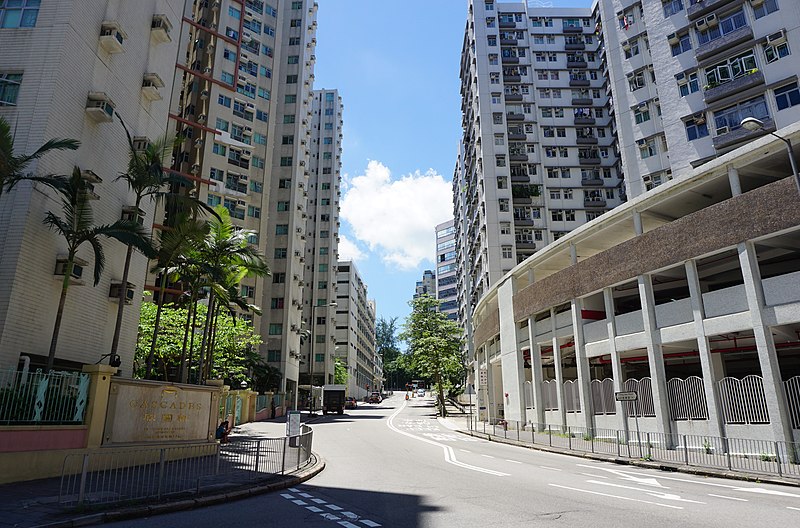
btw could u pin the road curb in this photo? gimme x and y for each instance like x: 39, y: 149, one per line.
x: 137, y: 512
x: 662, y: 466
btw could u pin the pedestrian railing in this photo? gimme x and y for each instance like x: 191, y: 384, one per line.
x: 136, y: 474
x: 733, y: 454
x: 36, y: 398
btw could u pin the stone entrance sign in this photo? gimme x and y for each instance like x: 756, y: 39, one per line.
x: 143, y: 412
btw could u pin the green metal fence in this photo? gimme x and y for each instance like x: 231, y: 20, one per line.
x: 28, y: 398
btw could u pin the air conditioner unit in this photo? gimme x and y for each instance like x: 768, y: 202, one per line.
x: 242, y: 178
x: 244, y: 56
x: 77, y: 268
x: 201, y: 119
x: 680, y: 77
x: 205, y: 94
x: 641, y: 142
x: 701, y: 25
x: 132, y: 214
x: 248, y: 129
x: 626, y: 45
x: 115, y: 291
x: 247, y: 36
x: 195, y: 168
x: 673, y: 38
x: 299, y: 230
x: 302, y: 163
x: 776, y: 38
x: 240, y: 203
x: 722, y: 131
x: 712, y: 20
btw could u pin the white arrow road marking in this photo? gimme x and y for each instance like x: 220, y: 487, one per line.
x: 449, y: 454
x: 618, y: 497
x: 791, y: 508
x: 645, y: 481
x: 657, y: 494
x: 726, y: 497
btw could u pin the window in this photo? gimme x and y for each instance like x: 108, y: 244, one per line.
x: 730, y: 69
x: 290, y: 98
x: 280, y: 253
x: 326, y: 155
x: 322, y: 268
x: 696, y: 129
x: 248, y: 291
x: 557, y: 215
x: 491, y: 40
x: 503, y: 205
x: 505, y: 228
x: 641, y: 114
x: 324, y: 234
x: 689, y: 84
x: 278, y: 278
x: 264, y: 93
x: 727, y: 24
x: 214, y: 200
x: 19, y: 13
x: 327, y: 141
x: 224, y: 101
x: 325, y: 201
x: 287, y: 140
x: 234, y: 13
x: 253, y: 211
x: 636, y: 81
x: 222, y: 125
x: 275, y: 329
x: 508, y: 252
x: 769, y: 6
x: 9, y: 87
x: 256, y: 186
x: 684, y: 44
x: 773, y: 53
x: 294, y: 41
x: 259, y: 139
x: 252, y: 238
x: 283, y: 206
x: 672, y: 7
x: 226, y: 77
x: 273, y: 355
x: 293, y: 59
x: 647, y: 148
x: 260, y: 115
x: 217, y: 174
x: 295, y: 22
x: 219, y: 149
x: 291, y: 79
x: 286, y: 161
x: 787, y: 96
x: 323, y: 251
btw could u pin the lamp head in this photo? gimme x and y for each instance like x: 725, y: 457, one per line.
x: 752, y: 124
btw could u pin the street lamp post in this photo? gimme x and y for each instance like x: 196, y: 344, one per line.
x: 311, y: 358
x: 753, y: 124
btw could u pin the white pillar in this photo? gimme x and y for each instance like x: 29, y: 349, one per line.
x: 616, y: 364
x: 511, y: 361
x: 765, y: 344
x: 562, y: 412
x: 655, y: 354
x: 582, y: 364
x: 536, y: 372
x: 638, y: 228
x: 733, y: 180
x: 711, y: 374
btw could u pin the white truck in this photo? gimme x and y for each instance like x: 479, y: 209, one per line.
x: 333, y: 398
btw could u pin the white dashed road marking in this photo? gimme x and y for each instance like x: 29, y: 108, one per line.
x: 726, y: 497
x: 550, y: 468
x: 333, y: 507
x: 300, y: 502
x: 329, y: 516
x: 617, y: 496
x: 371, y: 524
x: 313, y: 509
x: 513, y: 461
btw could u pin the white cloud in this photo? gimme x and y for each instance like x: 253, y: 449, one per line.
x: 348, y: 250
x: 396, y: 218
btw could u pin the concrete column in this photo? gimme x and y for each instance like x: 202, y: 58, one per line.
x: 491, y: 411
x: 733, y: 180
x: 655, y: 354
x: 765, y: 344
x: 512, y: 363
x: 582, y: 363
x: 536, y: 372
x: 97, y: 402
x: 616, y: 364
x: 562, y: 412
x: 638, y: 228
x: 711, y: 374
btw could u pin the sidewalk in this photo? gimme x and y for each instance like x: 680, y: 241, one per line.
x: 460, y: 423
x: 36, y: 503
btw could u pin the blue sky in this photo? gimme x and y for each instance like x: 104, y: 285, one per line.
x: 395, y: 64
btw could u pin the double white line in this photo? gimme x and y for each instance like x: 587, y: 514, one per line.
x: 449, y: 454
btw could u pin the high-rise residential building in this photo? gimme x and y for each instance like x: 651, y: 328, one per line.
x: 77, y: 69
x: 355, y: 332
x: 684, y: 73
x: 244, y: 105
x: 322, y: 236
x: 538, y: 154
x: 426, y: 286
x: 446, y: 269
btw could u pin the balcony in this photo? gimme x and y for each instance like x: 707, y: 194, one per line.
x: 506, y: 24
x: 592, y: 182
x: 584, y: 120
x: 577, y: 64
x: 512, y: 78
x: 579, y: 82
x: 508, y: 41
x: 513, y: 97
x: 737, y: 85
x: 582, y: 101
x: 724, y: 42
x: 517, y: 135
x: 520, y: 178
x: 590, y: 160
x: 572, y: 29
x: 701, y: 7
x: 511, y: 116
x: 586, y: 140
x: 595, y: 201
x: 741, y: 134
x: 575, y: 46
x: 518, y: 156
x: 510, y: 60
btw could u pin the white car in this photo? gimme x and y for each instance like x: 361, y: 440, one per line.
x: 420, y: 392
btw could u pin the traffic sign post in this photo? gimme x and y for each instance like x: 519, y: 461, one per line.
x: 628, y: 396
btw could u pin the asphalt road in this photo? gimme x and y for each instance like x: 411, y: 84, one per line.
x: 396, y: 465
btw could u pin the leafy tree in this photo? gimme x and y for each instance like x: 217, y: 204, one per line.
x: 76, y: 226
x: 386, y: 345
x: 339, y: 372
x: 434, y: 344
x: 12, y: 168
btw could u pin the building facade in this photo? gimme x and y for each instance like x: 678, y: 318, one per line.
x: 76, y: 69
x: 538, y: 156
x: 446, y: 269
x: 684, y: 73
x: 693, y: 304
x: 322, y: 236
x: 355, y: 332
x: 426, y: 286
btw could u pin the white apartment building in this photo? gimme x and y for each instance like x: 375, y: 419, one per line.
x: 68, y: 68
x: 426, y: 286
x: 446, y: 269
x: 244, y: 104
x: 355, y: 332
x: 322, y: 236
x: 684, y: 73
x: 538, y: 152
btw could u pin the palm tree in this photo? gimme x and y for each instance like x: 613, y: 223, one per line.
x: 12, y: 168
x: 77, y: 227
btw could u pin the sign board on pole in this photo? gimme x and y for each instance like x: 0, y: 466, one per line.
x: 483, y: 377
x: 293, y: 423
x: 626, y: 396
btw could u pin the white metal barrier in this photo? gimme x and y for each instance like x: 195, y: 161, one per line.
x: 550, y: 395
x: 603, y: 396
x: 572, y: 399
x: 644, y: 406
x: 687, y: 399
x: 792, y: 386
x: 742, y: 400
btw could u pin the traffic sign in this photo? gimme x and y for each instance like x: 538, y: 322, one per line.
x: 626, y: 396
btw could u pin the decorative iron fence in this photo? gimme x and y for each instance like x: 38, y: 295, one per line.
x: 527, y: 391
x: 734, y: 454
x: 742, y: 400
x: 39, y: 398
x: 792, y: 386
x: 644, y: 405
x: 687, y: 399
x: 603, y: 396
x: 155, y: 473
x: 572, y: 399
x: 550, y: 395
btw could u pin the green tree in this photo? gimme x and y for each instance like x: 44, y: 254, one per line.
x: 386, y: 345
x: 12, y: 168
x: 434, y: 345
x: 76, y: 227
x: 339, y: 372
